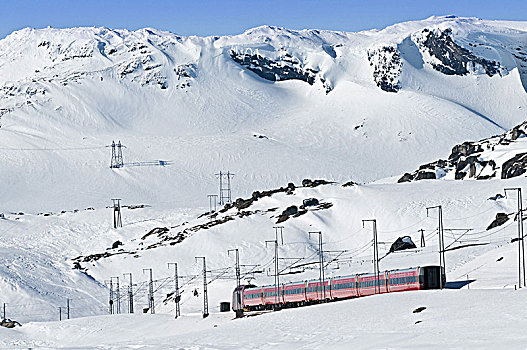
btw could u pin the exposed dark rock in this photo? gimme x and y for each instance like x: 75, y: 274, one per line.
x: 427, y: 166
x: 425, y: 175
x: 9, y: 323
x: 226, y: 207
x: 454, y: 59
x: 407, y: 177
x: 387, y: 67
x: 460, y: 175
x: 135, y: 206
x: 292, y: 210
x: 117, y: 244
x: 402, y: 243
x: 349, y: 184
x: 419, y: 309
x: 284, y: 68
x: 309, y: 202
x: 516, y: 133
x: 300, y: 212
x: 500, y: 219
x: 241, y: 203
x: 322, y: 206
x: 156, y: 231
x: 496, y: 197
x: 464, y: 149
x: 515, y: 166
x: 314, y: 183
x: 95, y: 257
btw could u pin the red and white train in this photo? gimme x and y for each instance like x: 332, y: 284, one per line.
x: 250, y: 298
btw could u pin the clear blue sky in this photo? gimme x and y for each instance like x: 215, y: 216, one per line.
x: 203, y: 17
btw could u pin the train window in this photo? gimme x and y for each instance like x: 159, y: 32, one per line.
x: 342, y: 286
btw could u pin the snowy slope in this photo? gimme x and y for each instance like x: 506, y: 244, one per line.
x: 377, y: 322
x: 66, y: 93
x: 273, y: 106
x: 40, y: 251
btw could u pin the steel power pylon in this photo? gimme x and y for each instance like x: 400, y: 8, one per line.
x: 150, y: 292
x: 276, y: 266
x: 117, y: 296
x: 177, y: 312
x: 225, y: 194
x: 130, y: 294
x: 321, y: 262
x: 237, y: 266
x: 110, y: 300
x: 440, y: 230
x: 117, y: 155
x: 205, y: 296
x: 375, y: 254
x: 117, y: 219
x: 521, y: 248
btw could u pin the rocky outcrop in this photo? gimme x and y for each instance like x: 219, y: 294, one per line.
x: 185, y: 73
x: 7, y: 323
x: 475, y: 160
x: 309, y: 202
x: 515, y: 166
x: 314, y: 183
x: 500, y: 219
x: 292, y: 210
x: 402, y: 243
x: 169, y: 236
x: 387, y: 67
x: 449, y: 58
x: 285, y: 68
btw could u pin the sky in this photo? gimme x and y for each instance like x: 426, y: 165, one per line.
x: 207, y: 17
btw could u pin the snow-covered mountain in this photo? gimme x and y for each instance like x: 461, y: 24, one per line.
x: 272, y: 105
x: 275, y: 107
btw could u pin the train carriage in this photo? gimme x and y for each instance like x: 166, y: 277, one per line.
x: 344, y: 287
x: 251, y: 297
x: 367, y: 284
x: 317, y: 291
x: 403, y: 280
x: 294, y: 293
x: 270, y: 296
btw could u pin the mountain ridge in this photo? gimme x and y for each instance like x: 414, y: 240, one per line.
x: 322, y: 101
